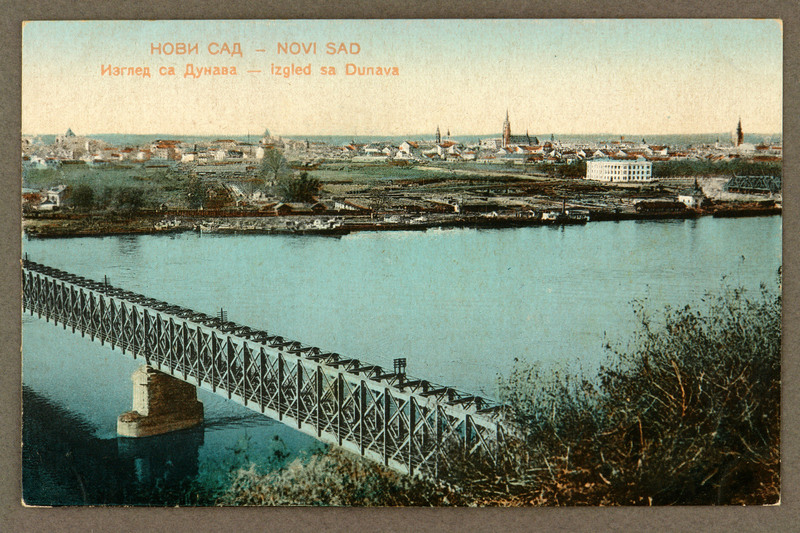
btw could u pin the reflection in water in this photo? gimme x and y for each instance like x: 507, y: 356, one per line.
x: 65, y: 464
x: 128, y: 245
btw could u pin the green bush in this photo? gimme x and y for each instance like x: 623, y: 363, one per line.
x: 689, y: 415
x: 333, y: 478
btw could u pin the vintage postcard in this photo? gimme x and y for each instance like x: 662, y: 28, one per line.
x: 401, y: 262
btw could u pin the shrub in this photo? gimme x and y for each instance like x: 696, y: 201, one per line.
x: 689, y: 415
x: 336, y: 477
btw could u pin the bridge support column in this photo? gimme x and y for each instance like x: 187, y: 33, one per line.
x: 161, y: 404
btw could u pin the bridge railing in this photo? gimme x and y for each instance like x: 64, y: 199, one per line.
x: 408, y: 424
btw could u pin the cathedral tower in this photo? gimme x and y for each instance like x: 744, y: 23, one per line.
x: 506, y: 131
x: 739, y: 133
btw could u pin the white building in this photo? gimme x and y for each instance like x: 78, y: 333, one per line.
x: 620, y: 170
x: 692, y: 198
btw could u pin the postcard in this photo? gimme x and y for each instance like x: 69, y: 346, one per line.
x: 401, y: 262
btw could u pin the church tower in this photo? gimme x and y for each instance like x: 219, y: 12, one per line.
x: 438, y: 136
x: 739, y: 133
x: 506, y: 131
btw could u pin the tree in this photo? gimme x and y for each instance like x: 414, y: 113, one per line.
x: 83, y: 197
x: 273, y: 165
x: 298, y: 189
x: 107, y: 198
x: 196, y: 193
x: 130, y: 198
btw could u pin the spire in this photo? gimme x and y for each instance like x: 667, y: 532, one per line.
x: 739, y: 133
x: 506, y: 131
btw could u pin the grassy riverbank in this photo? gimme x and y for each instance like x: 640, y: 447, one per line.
x: 688, y: 413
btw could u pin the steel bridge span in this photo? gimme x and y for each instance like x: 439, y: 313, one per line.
x: 407, y: 424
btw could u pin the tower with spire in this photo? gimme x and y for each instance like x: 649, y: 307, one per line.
x: 506, y: 131
x: 438, y: 136
x: 739, y: 133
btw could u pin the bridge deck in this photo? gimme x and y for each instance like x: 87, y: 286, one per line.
x: 408, y: 424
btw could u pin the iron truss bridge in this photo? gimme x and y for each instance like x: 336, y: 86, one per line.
x: 410, y: 425
x: 754, y: 184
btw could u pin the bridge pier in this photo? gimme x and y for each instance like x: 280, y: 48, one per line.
x: 161, y: 404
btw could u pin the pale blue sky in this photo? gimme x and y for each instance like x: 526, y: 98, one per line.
x: 565, y: 76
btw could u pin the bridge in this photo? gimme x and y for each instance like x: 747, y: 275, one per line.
x: 408, y: 424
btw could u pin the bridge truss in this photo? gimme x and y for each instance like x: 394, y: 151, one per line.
x: 407, y: 424
x: 754, y: 184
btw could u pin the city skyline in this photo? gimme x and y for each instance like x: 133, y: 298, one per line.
x: 626, y: 77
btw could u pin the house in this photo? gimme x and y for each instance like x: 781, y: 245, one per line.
x: 347, y: 205
x: 38, y: 162
x: 447, y: 148
x: 282, y: 209
x: 46, y: 205
x: 692, y: 198
x: 409, y: 148
x: 57, y: 195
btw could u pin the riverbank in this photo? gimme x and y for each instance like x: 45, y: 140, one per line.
x: 63, y: 225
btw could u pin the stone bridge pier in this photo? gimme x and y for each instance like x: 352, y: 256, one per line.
x: 161, y: 404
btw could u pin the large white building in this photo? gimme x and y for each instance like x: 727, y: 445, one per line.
x: 620, y: 170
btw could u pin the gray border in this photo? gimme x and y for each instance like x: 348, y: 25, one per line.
x: 13, y: 517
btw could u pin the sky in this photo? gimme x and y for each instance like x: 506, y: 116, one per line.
x: 552, y: 76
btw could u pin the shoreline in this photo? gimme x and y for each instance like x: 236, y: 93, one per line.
x: 58, y: 226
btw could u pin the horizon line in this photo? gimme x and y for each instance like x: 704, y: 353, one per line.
x: 497, y: 134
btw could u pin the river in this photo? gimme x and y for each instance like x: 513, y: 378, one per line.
x: 461, y: 305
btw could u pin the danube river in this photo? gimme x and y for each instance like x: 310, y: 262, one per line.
x: 460, y: 305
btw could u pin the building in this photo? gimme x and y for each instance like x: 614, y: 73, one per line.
x: 739, y: 134
x: 506, y: 131
x: 620, y: 170
x: 692, y: 198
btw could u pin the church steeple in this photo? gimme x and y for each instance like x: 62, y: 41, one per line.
x: 739, y: 133
x: 438, y: 136
x: 506, y: 131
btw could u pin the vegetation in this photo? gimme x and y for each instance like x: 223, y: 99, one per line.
x: 298, y: 189
x: 196, y: 193
x: 687, y: 167
x: 334, y: 478
x: 82, y: 197
x: 569, y: 170
x: 156, y: 184
x: 273, y: 165
x: 689, y: 414
x: 130, y: 199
